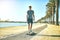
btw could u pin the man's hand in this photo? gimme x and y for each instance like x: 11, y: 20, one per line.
x: 33, y: 18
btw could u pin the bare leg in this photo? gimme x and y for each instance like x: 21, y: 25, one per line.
x: 31, y: 26
x: 28, y: 26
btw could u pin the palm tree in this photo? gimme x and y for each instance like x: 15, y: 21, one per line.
x: 57, y: 10
x: 52, y: 2
x: 49, y: 11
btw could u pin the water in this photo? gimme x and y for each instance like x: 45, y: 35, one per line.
x: 12, y: 24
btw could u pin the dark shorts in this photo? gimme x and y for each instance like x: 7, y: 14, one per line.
x: 30, y: 21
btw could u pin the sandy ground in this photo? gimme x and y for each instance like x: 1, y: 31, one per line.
x: 9, y: 31
x: 52, y: 32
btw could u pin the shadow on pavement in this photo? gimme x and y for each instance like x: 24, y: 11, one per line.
x: 48, y: 35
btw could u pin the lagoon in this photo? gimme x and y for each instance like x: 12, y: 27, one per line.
x: 12, y: 24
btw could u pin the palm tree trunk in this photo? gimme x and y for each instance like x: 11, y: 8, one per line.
x: 53, y: 11
x: 57, y: 10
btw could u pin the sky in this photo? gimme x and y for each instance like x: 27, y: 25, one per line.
x: 16, y: 10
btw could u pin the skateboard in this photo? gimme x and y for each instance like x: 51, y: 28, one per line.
x: 32, y: 34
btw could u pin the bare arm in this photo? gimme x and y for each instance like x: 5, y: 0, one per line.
x: 27, y: 15
x: 33, y: 16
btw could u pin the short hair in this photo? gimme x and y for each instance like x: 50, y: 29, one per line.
x: 30, y: 6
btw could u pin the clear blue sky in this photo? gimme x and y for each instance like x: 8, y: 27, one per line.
x: 16, y: 10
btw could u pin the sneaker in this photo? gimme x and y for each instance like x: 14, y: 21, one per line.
x: 31, y: 32
x: 28, y: 33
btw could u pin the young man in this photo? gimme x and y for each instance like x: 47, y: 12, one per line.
x: 30, y: 18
